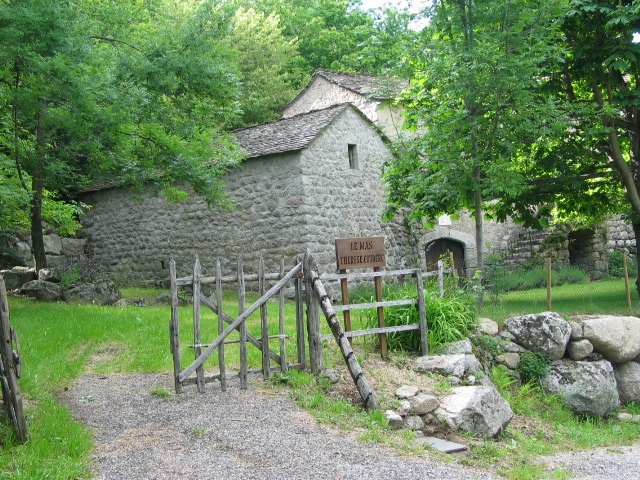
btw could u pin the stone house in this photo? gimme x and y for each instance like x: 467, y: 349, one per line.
x: 308, y: 179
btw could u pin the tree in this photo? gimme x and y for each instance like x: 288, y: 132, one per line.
x: 594, y: 167
x: 136, y: 92
x: 268, y: 62
x: 476, y: 101
x: 336, y: 35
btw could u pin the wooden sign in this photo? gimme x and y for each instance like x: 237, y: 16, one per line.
x: 360, y: 252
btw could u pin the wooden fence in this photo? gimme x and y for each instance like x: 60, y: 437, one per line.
x: 309, y: 290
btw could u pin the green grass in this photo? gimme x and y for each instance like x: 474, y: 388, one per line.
x: 603, y: 296
x: 60, y: 342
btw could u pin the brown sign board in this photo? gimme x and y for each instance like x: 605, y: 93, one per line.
x: 360, y: 252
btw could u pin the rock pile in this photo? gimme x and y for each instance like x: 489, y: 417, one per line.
x: 593, y: 364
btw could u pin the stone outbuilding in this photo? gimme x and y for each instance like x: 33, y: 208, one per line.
x: 307, y: 179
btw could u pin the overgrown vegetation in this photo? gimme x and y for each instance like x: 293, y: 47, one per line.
x: 449, y: 318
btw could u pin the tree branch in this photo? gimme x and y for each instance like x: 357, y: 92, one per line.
x: 114, y: 40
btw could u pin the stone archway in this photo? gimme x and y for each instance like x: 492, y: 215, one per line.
x: 443, y: 238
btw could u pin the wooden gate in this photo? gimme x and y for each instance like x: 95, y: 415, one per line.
x: 204, y: 351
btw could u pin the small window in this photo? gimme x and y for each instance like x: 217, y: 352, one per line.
x: 353, y: 156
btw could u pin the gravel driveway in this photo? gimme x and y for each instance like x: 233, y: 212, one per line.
x: 254, y: 434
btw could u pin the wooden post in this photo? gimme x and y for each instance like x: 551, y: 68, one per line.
x: 365, y: 390
x: 196, y: 324
x: 441, y: 278
x: 221, y: 364
x: 243, y: 327
x: 548, y: 284
x: 626, y: 279
x: 383, y: 336
x: 302, y: 356
x: 422, y: 313
x: 283, y: 352
x: 313, y: 318
x: 344, y: 288
x: 452, y: 261
x: 174, y: 328
x: 264, y: 321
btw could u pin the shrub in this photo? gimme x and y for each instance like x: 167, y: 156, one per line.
x: 449, y: 319
x: 532, y: 366
x: 616, y: 266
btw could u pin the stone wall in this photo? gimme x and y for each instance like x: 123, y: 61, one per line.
x: 284, y: 205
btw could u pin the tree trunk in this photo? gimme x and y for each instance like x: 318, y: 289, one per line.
x: 636, y: 230
x: 477, y: 206
x: 37, y: 189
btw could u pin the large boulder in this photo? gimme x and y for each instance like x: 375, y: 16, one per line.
x: 545, y: 333
x: 81, y: 293
x: 616, y: 338
x: 17, y: 276
x: 628, y: 380
x: 106, y: 292
x: 478, y: 410
x: 587, y: 387
x: 43, y: 291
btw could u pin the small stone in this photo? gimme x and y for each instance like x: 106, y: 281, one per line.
x: 404, y: 408
x: 423, y: 403
x: 625, y: 417
x: 407, y: 391
x: 394, y: 419
x: 413, y: 422
x: 488, y: 326
x: 580, y: 349
x: 509, y: 360
x: 330, y: 375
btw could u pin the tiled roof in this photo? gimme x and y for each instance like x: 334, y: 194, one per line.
x: 287, y: 135
x: 380, y: 88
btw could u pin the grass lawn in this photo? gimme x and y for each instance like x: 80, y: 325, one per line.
x: 602, y: 297
x: 60, y: 342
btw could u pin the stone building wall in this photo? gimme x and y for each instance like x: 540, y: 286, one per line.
x: 284, y: 205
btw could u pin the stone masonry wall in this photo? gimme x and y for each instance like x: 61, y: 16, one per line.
x: 284, y: 205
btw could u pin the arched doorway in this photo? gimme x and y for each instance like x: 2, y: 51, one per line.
x: 442, y: 246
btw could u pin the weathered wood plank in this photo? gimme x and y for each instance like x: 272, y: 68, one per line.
x: 221, y: 359
x: 243, y: 326
x: 363, y: 306
x: 196, y: 322
x: 330, y: 277
x: 264, y: 322
x: 422, y: 315
x: 283, y: 351
x: 313, y: 319
x: 184, y: 281
x: 174, y: 328
x: 376, y: 331
x: 297, y: 282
